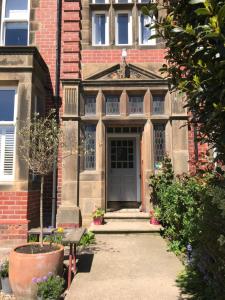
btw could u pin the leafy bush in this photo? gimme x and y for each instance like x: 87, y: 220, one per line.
x: 4, y: 268
x: 87, y: 239
x: 192, y: 211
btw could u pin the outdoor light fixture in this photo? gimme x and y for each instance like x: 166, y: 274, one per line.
x: 124, y: 53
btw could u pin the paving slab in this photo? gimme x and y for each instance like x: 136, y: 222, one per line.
x: 126, y: 267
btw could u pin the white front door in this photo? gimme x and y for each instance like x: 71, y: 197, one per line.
x: 122, y: 169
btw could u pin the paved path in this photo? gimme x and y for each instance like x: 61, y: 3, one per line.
x: 127, y: 267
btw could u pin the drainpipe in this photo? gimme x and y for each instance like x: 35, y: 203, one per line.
x: 56, y: 103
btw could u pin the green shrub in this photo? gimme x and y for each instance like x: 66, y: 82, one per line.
x: 192, y: 211
x: 87, y: 239
x: 50, y: 287
x: 4, y: 268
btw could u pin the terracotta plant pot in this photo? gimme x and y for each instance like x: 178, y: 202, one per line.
x: 6, y: 288
x: 154, y: 221
x: 98, y: 221
x: 24, y: 267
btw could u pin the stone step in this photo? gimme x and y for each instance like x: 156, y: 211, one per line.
x: 126, y: 217
x: 125, y: 227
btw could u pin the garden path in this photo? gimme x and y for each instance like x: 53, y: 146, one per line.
x: 126, y: 267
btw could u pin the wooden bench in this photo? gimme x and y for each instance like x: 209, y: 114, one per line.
x: 72, y: 238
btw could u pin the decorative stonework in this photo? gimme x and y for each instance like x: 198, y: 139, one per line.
x: 125, y: 71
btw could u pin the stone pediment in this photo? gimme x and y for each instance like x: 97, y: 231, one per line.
x: 125, y: 71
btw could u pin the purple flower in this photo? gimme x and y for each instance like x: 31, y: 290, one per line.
x: 50, y: 274
x: 34, y: 280
x: 45, y: 278
x: 39, y: 280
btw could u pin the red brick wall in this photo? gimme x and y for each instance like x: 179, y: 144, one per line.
x: 202, y: 151
x: 13, y: 216
x: 114, y: 56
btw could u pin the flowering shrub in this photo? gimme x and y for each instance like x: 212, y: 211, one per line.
x: 4, y: 268
x: 50, y: 287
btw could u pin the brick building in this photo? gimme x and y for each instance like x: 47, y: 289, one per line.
x: 94, y: 61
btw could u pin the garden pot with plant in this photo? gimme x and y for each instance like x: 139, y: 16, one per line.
x: 98, y: 216
x: 39, y: 140
x: 154, y: 216
x: 4, y: 274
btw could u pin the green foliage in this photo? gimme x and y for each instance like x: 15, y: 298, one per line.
x: 55, y: 238
x: 98, y: 213
x: 87, y: 239
x: 192, y: 211
x: 32, y: 238
x: 4, y: 268
x: 50, y: 287
x: 194, y: 35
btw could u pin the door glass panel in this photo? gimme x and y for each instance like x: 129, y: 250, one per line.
x: 122, y: 154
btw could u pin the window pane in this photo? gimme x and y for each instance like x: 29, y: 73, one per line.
x: 16, y: 34
x: 136, y: 104
x: 145, y: 31
x: 100, y: 21
x: 99, y: 1
x: 90, y: 133
x: 112, y: 105
x: 158, y: 104
x: 16, y: 8
x: 7, y: 98
x: 159, y: 144
x: 90, y: 105
x: 123, y: 28
x: 122, y: 1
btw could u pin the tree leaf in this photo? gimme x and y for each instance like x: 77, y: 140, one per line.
x: 202, y: 11
x: 196, y: 1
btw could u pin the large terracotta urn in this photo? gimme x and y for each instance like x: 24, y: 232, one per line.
x: 23, y: 268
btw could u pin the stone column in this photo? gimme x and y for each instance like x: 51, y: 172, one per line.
x: 147, y: 153
x: 123, y: 104
x: 68, y: 212
x: 100, y: 158
x: 147, y: 103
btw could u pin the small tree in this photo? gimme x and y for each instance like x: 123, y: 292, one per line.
x: 39, y: 140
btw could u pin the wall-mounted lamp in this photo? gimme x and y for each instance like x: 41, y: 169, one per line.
x: 124, y: 53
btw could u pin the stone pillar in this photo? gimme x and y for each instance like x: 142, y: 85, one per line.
x: 100, y: 158
x: 147, y: 153
x: 180, y: 146
x: 123, y: 104
x: 147, y: 103
x: 68, y: 212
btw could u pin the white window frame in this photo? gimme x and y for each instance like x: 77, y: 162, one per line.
x: 94, y: 13
x: 18, y: 19
x: 130, y: 32
x: 151, y: 42
x: 9, y: 124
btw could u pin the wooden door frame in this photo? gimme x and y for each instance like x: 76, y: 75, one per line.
x: 137, y: 137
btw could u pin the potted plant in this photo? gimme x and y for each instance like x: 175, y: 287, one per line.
x: 98, y: 216
x: 49, y: 287
x: 39, y: 140
x: 4, y: 274
x: 155, y: 216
